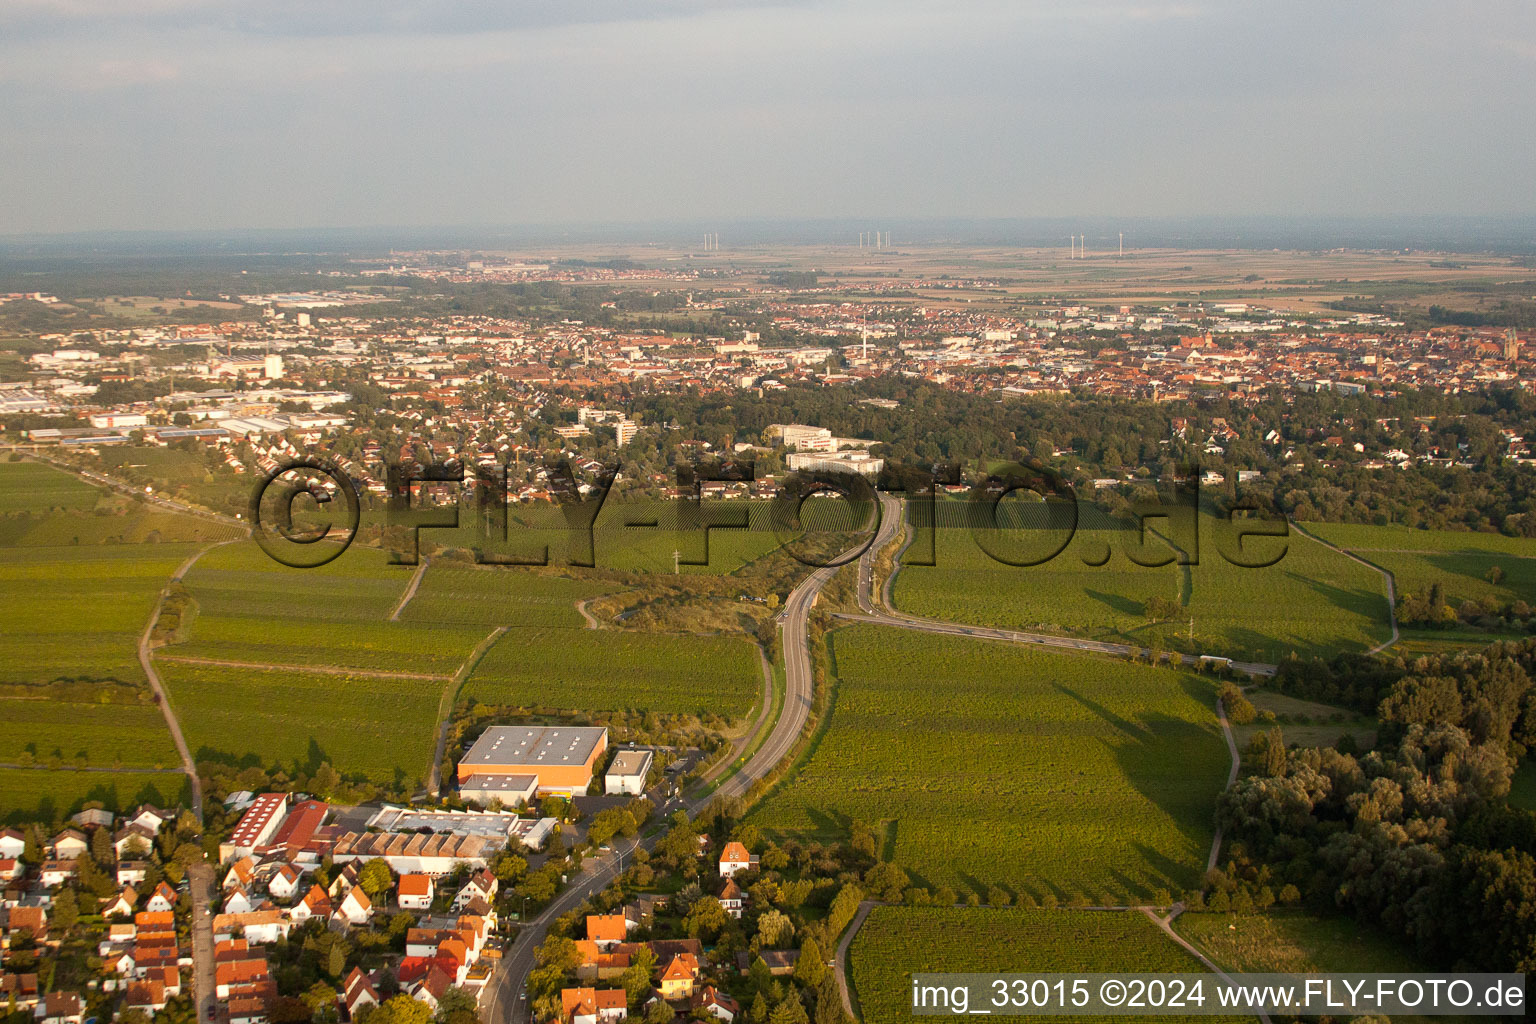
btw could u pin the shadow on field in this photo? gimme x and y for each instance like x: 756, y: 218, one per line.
x: 1117, y: 602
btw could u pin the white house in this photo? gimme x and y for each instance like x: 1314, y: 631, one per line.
x: 284, y: 883
x: 162, y: 900
x: 734, y: 858
x: 416, y: 892
x: 12, y: 844
x: 356, y: 907
x: 238, y: 901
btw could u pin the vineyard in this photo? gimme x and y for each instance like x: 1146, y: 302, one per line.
x: 36, y: 488
x: 49, y: 732
x: 453, y: 593
x: 77, y: 613
x: 896, y: 942
x: 28, y: 794
x: 252, y: 609
x: 612, y: 670
x: 990, y: 764
x: 378, y: 728
x: 1459, y: 561
x: 1313, y: 601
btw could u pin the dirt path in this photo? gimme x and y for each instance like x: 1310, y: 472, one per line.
x: 410, y: 590
x: 445, y: 707
x: 324, y: 670
x: 146, y: 662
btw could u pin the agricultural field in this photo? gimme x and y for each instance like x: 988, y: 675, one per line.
x: 614, y: 670
x: 1305, y: 722
x: 29, y: 794
x: 37, y: 488
x: 994, y: 764
x: 77, y: 613
x: 1294, y: 942
x: 252, y: 609
x: 1459, y: 561
x: 50, y: 732
x: 381, y: 729
x: 454, y: 593
x: 1313, y: 601
x: 897, y: 942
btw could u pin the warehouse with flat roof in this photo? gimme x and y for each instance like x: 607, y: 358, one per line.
x: 560, y: 757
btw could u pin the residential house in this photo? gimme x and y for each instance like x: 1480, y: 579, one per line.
x: 54, y: 873
x: 122, y: 905
x: 734, y: 858
x: 482, y: 884
x: 132, y: 841
x: 732, y: 899
x: 285, y: 883
x: 429, y: 988
x: 148, y: 996
x: 22, y: 988
x: 678, y: 977
x: 717, y: 1004
x: 240, y: 873
x: 344, y: 881
x: 608, y: 930
x: 150, y: 817
x: 92, y: 817
x: 258, y: 927
x: 162, y: 900
x: 61, y: 1008
x: 132, y: 872
x: 314, y: 904
x: 10, y: 868
x: 247, y: 1010
x: 356, y: 908
x: 593, y: 1006
x: 68, y: 845
x: 415, y: 892
x: 238, y: 901
x: 358, y: 992
x: 32, y: 920
x: 12, y: 844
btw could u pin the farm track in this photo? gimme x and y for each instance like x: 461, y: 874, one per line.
x: 146, y: 662
x: 410, y: 589
x: 445, y: 707
x: 324, y: 670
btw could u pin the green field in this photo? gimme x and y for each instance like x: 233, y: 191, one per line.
x: 896, y: 942
x: 1459, y: 561
x: 252, y: 609
x: 39, y: 795
x: 77, y: 613
x: 1294, y: 942
x: 1522, y: 789
x: 383, y: 729
x: 37, y: 488
x: 991, y: 763
x: 1313, y: 601
x: 100, y: 735
x: 612, y: 670
x: 1306, y: 722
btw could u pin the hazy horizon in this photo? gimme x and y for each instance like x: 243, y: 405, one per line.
x: 191, y: 115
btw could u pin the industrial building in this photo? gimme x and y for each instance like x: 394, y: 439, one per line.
x: 561, y: 757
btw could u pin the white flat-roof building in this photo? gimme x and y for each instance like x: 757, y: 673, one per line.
x: 626, y: 773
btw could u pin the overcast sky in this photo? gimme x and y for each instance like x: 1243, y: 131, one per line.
x: 207, y: 114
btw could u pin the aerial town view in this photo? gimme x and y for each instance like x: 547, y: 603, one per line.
x: 561, y: 514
